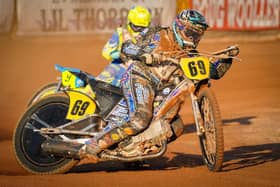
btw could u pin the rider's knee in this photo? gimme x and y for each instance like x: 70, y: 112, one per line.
x: 140, y: 121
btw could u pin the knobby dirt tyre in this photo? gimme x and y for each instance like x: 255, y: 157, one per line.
x: 27, y: 143
x: 212, y: 123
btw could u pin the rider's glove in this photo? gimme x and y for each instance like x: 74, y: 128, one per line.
x: 234, y: 51
x: 129, y: 49
x: 147, y: 58
x: 152, y: 59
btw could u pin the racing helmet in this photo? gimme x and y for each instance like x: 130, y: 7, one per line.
x: 138, y: 19
x: 188, y: 28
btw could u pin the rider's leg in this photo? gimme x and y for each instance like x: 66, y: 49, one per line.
x: 139, y: 94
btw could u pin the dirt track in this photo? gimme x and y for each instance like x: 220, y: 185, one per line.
x: 248, y: 96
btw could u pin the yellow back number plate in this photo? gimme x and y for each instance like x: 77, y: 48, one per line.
x: 80, y: 105
x: 196, y: 67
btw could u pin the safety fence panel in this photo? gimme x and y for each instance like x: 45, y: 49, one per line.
x: 6, y: 15
x: 239, y: 14
x: 85, y: 16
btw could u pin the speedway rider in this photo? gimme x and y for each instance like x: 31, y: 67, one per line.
x: 140, y: 80
x: 138, y: 22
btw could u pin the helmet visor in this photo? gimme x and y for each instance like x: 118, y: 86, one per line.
x: 136, y: 28
x: 190, y: 35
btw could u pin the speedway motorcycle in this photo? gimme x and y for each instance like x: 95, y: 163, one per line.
x: 60, y: 119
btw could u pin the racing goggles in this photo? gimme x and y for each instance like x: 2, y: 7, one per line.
x: 136, y: 28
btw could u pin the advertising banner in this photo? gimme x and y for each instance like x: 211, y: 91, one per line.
x: 6, y: 15
x: 240, y: 14
x: 85, y: 16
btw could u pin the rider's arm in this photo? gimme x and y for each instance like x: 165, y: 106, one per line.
x: 219, y: 68
x: 111, y: 50
x: 145, y: 45
x: 131, y: 50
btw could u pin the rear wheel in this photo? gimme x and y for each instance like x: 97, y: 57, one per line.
x: 48, y: 112
x: 212, y: 139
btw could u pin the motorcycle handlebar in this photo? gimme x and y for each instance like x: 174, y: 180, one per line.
x: 231, y: 50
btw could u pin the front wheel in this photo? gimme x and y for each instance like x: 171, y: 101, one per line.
x: 212, y: 139
x: 49, y: 112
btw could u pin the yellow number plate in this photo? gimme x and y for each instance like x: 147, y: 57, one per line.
x: 80, y: 105
x: 197, y: 68
x: 69, y: 79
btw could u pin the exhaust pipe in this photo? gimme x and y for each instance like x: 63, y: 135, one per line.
x: 106, y: 156
x: 61, y: 148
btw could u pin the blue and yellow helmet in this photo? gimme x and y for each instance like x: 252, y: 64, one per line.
x: 189, y: 27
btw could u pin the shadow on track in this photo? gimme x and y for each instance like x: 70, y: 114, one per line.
x: 246, y: 120
x: 247, y: 156
x: 237, y: 158
x: 162, y: 163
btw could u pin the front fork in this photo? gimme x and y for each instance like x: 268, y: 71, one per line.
x: 197, y: 115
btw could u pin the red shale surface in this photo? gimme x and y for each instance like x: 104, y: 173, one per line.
x: 249, y: 98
